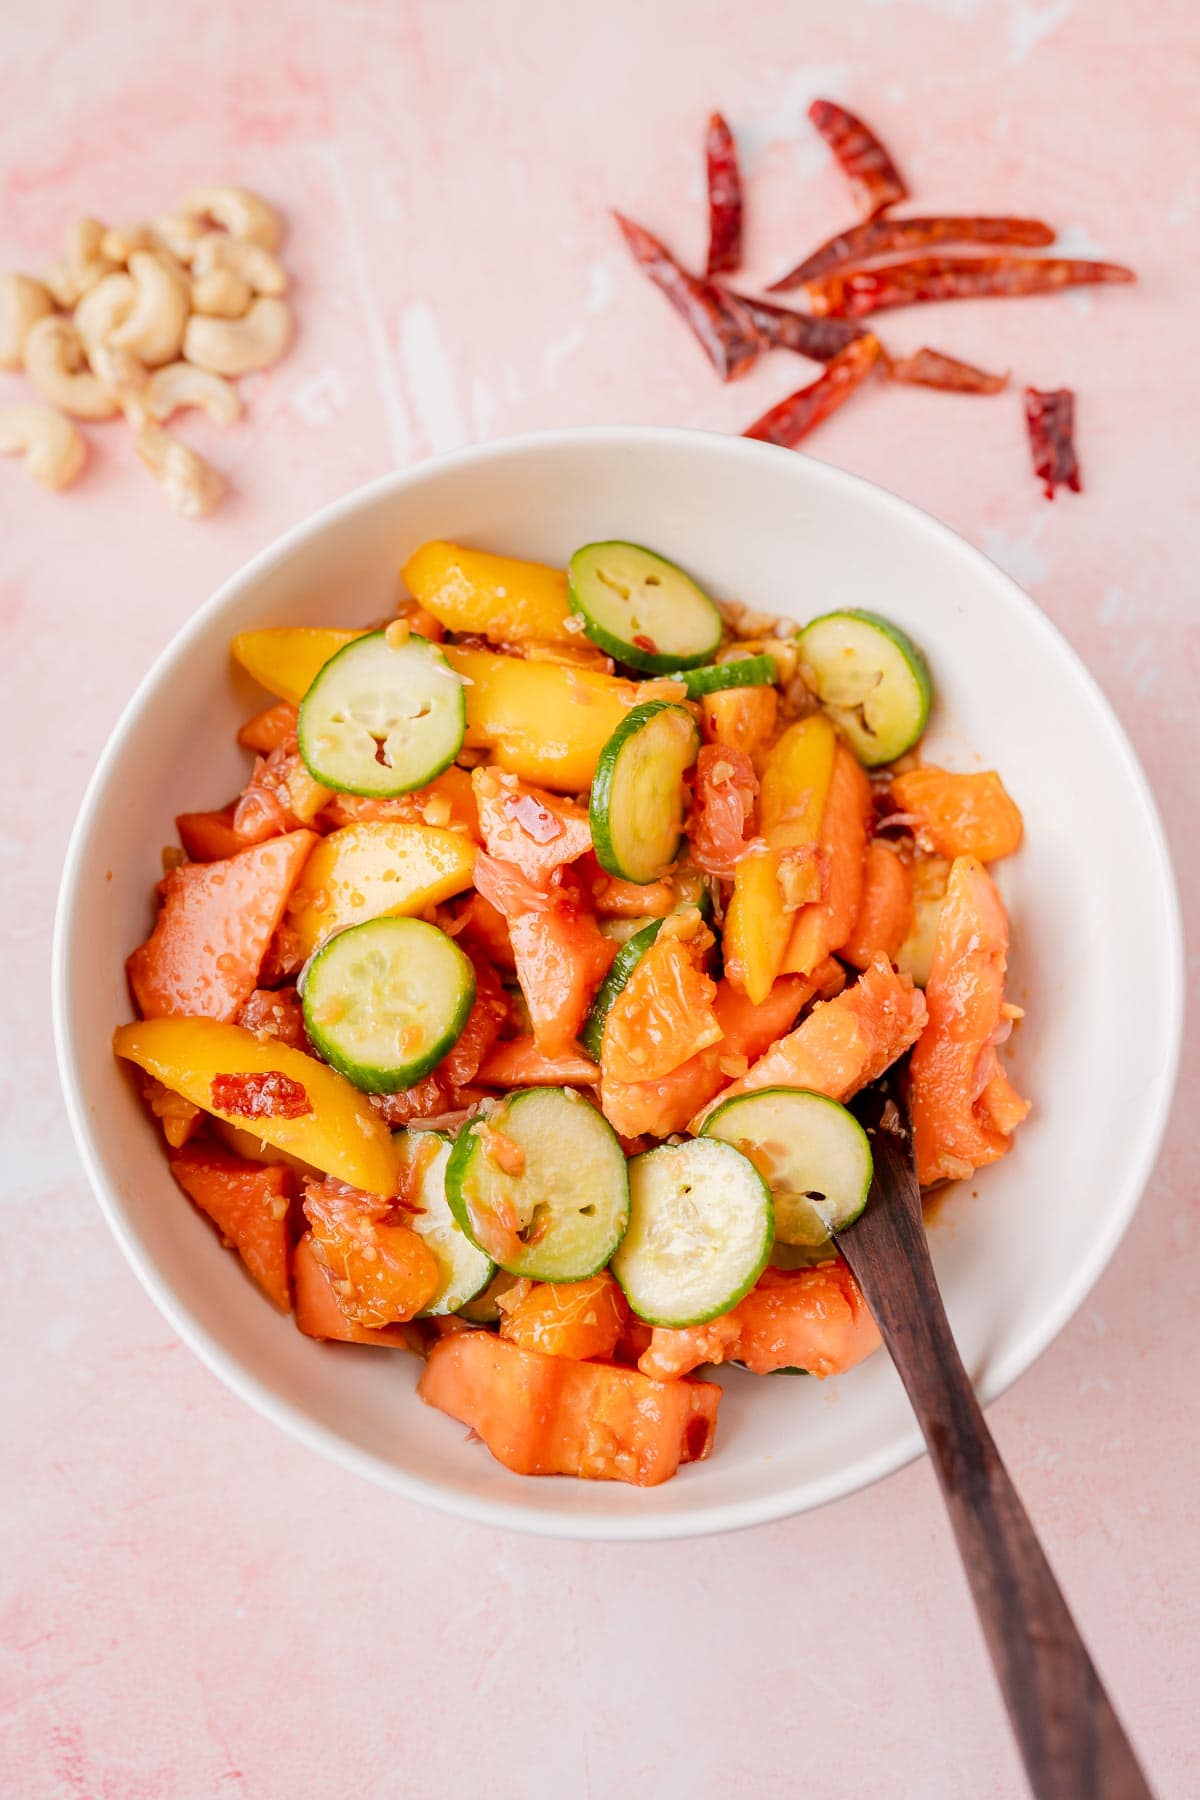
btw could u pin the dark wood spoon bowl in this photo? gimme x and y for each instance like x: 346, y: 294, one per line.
x: 1073, y: 1745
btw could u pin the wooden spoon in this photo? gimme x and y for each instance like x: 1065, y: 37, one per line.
x: 1074, y: 1746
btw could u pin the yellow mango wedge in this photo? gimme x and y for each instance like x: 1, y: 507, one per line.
x: 543, y: 721
x: 342, y: 1135
x: 287, y: 660
x: 795, y: 787
x: 496, y: 597
x: 364, y: 871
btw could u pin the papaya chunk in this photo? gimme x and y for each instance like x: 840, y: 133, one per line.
x: 885, y: 910
x: 811, y: 1319
x: 843, y: 1043
x: 248, y: 1203
x: 964, y: 1107
x: 545, y: 1415
x: 203, y: 958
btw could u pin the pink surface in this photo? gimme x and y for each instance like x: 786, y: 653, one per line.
x: 192, y: 1605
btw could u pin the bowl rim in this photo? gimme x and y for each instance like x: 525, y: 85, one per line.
x: 1008, y: 1366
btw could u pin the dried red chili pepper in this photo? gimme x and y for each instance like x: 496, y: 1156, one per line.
x: 864, y: 161
x: 724, y: 198
x: 884, y: 237
x: 783, y: 329
x: 858, y: 292
x: 272, y: 1095
x: 804, y: 410
x: 929, y: 368
x: 1051, y: 421
x: 718, y: 319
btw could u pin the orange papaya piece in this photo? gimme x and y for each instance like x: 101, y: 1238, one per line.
x: 811, y: 1319
x: 845, y: 1042
x: 209, y: 836
x: 545, y: 1415
x: 964, y: 1107
x: 885, y: 909
x: 203, y: 958
x: 248, y: 1203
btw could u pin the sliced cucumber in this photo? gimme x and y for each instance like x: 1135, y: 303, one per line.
x: 382, y: 718
x: 700, y: 1232
x: 643, y: 609
x: 465, y: 1269
x: 562, y: 1209
x: 638, y: 800
x: 623, y: 964
x: 384, y: 1001
x: 872, y: 681
x: 738, y: 672
x: 811, y: 1152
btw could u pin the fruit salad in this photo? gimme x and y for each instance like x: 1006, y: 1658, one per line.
x: 511, y: 1014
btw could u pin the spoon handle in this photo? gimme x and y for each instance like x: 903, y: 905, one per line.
x: 1073, y: 1745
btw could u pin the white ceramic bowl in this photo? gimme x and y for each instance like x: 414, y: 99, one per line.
x: 1097, y: 949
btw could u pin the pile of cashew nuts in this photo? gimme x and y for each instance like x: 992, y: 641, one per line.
x: 141, y: 323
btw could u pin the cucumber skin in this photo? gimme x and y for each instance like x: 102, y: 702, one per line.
x: 649, y: 662
x: 367, y: 1078
x: 912, y: 653
x: 717, y: 678
x: 337, y: 787
x: 466, y: 1147
x: 623, y: 964
x: 602, y: 781
x: 810, y: 1093
x: 727, y: 1304
x: 443, y: 1312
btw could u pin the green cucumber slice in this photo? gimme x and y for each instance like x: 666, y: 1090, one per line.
x: 638, y: 801
x: 382, y: 718
x: 700, y: 1232
x: 872, y: 681
x: 738, y: 672
x: 623, y: 964
x: 563, y: 1214
x: 465, y: 1269
x: 643, y: 609
x: 384, y: 1001
x: 813, y: 1154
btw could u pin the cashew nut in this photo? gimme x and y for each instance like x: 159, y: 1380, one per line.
x: 59, y: 280
x: 54, y: 451
x: 154, y: 326
x: 256, y: 266
x: 221, y: 295
x: 104, y: 307
x: 191, y: 485
x: 179, y: 233
x: 54, y: 362
x: 243, y: 214
x: 237, y: 346
x: 23, y: 301
x: 123, y: 374
x: 181, y: 384
x: 85, y: 256
x: 120, y: 242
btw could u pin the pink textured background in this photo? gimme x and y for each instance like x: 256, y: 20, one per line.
x: 194, y: 1606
